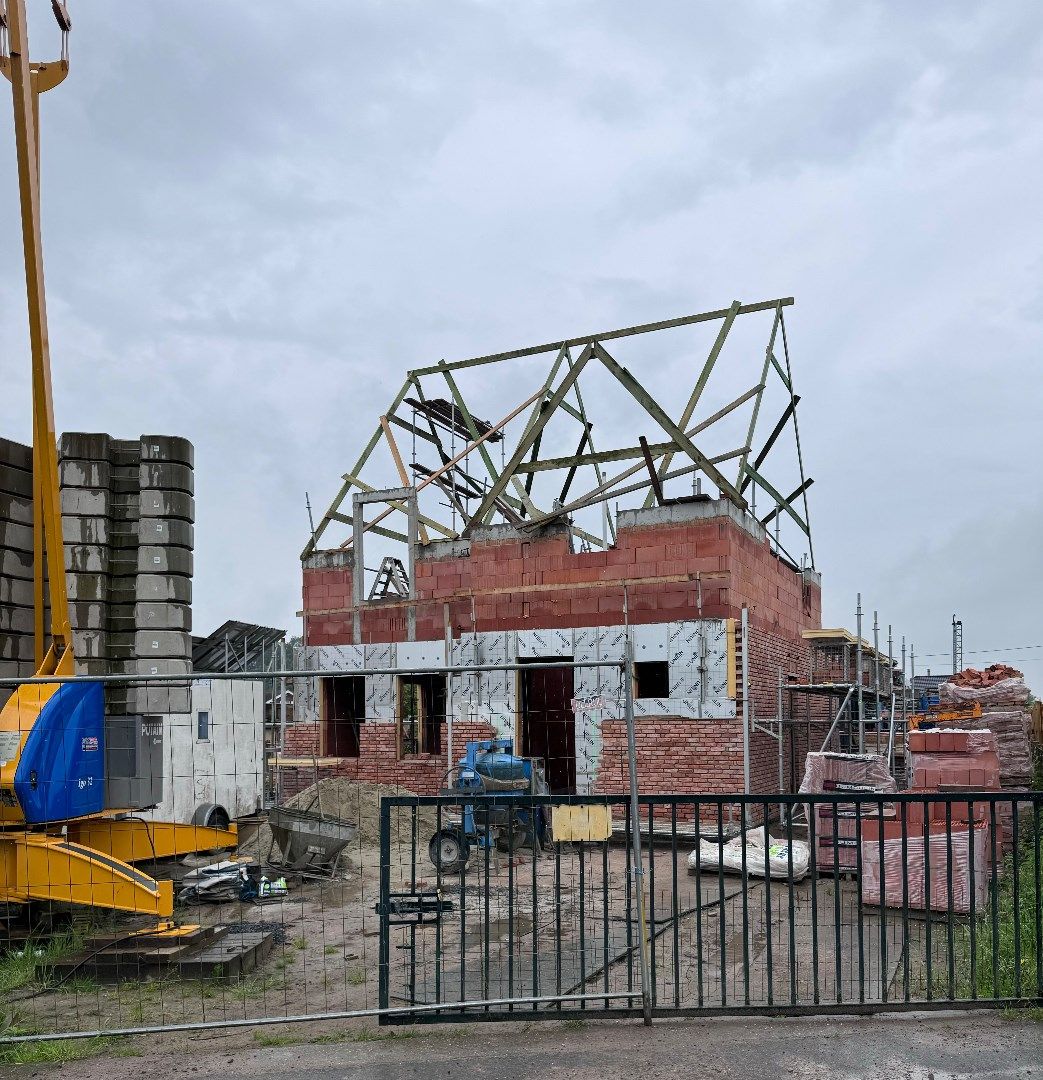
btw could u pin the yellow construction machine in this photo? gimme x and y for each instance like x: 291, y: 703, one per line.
x: 59, y: 841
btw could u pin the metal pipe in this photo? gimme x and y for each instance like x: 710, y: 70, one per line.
x: 635, y: 832
x: 905, y: 691
x: 283, y: 649
x: 346, y: 1014
x: 836, y: 719
x: 858, y: 675
x: 744, y: 642
x: 782, y: 772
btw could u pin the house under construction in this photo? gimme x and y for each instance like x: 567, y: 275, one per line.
x: 539, y: 533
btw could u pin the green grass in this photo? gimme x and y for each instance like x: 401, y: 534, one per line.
x: 573, y: 1024
x: 300, y: 943
x: 331, y: 950
x: 264, y: 1039
x: 252, y: 986
x: 1000, y: 980
x: 1024, y: 1014
x: 59, y: 1051
x: 357, y: 976
x: 32, y: 962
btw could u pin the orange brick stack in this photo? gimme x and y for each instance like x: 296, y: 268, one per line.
x: 941, y: 840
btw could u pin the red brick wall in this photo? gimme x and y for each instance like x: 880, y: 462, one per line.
x: 378, y: 760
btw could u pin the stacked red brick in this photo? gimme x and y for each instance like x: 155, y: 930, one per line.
x: 1003, y: 696
x: 837, y: 825
x: 945, y: 855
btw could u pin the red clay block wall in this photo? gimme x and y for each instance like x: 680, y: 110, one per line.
x: 506, y: 580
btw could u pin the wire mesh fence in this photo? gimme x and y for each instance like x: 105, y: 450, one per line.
x: 186, y: 851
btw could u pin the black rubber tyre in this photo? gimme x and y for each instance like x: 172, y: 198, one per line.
x: 449, y: 851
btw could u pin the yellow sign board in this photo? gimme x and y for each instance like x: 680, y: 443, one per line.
x: 579, y: 823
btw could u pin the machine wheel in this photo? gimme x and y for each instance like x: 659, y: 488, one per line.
x: 449, y: 851
x: 211, y: 816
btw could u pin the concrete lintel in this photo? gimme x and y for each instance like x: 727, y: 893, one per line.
x: 363, y: 498
x: 491, y: 534
x: 443, y: 549
x: 329, y: 559
x: 682, y: 512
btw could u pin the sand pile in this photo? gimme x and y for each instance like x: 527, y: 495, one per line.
x: 359, y: 803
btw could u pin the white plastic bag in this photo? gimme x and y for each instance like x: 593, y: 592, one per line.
x: 711, y: 856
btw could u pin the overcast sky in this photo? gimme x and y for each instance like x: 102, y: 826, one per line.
x: 254, y: 226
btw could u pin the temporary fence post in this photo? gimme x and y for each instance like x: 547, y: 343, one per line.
x: 635, y: 831
x: 745, y: 705
x: 858, y: 676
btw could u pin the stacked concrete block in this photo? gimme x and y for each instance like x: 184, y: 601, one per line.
x: 85, y: 476
x: 16, y: 562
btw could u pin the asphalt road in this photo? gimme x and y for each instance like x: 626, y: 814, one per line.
x: 921, y: 1047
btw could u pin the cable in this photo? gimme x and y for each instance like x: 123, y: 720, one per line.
x: 976, y: 652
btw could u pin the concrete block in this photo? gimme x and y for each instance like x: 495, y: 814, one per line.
x: 17, y: 508
x: 165, y: 644
x: 89, y: 616
x: 146, y: 666
x: 160, y: 531
x: 124, y: 508
x: 88, y: 587
x: 166, y: 476
x: 16, y: 454
x: 152, y: 587
x: 172, y: 504
x: 17, y: 620
x: 167, y: 448
x: 85, y: 445
x: 85, y: 502
x: 87, y: 558
x: 154, y: 698
x: 89, y: 644
x: 18, y: 537
x: 85, y: 530
x: 124, y: 483
x: 16, y: 591
x: 125, y: 452
x: 93, y: 666
x: 16, y: 647
x: 164, y: 559
x: 16, y: 482
x: 16, y: 564
x: 75, y: 472
x: 156, y: 615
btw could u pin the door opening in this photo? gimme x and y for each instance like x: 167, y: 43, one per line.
x: 344, y: 710
x: 548, y: 722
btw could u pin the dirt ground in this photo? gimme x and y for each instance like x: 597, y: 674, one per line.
x: 564, y: 923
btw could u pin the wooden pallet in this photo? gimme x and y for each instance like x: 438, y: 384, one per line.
x: 203, y: 952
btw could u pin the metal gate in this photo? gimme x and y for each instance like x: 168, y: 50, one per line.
x: 842, y: 902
